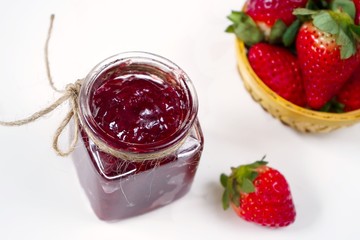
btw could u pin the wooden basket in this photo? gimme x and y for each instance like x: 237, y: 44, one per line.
x: 301, y: 119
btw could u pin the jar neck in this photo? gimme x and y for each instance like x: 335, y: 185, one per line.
x: 158, y: 69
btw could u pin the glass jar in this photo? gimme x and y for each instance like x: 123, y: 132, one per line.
x: 140, y: 140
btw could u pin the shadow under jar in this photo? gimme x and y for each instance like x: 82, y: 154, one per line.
x: 140, y: 141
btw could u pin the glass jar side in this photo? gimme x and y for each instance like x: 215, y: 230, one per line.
x: 138, y: 191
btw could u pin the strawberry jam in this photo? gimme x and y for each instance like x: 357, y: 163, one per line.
x: 140, y: 141
x: 134, y: 109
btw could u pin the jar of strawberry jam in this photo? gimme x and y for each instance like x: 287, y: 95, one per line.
x: 140, y: 139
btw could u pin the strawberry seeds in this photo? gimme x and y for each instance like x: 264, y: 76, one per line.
x: 319, y: 39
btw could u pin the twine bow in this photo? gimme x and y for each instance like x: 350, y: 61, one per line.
x: 70, y: 94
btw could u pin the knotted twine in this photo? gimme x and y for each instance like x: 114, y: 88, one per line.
x: 71, y: 94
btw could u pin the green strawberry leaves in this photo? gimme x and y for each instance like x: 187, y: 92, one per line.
x: 226, y: 195
x: 335, y: 17
x: 325, y: 22
x: 338, y: 23
x: 277, y: 31
x: 344, y: 6
x: 289, y: 35
x: 240, y: 181
x: 333, y: 106
x: 244, y: 28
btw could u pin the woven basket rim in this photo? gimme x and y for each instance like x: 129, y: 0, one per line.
x: 241, y: 56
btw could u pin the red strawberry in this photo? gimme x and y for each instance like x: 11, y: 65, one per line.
x: 349, y: 95
x: 326, y: 60
x: 357, y: 14
x: 278, y: 68
x: 267, y: 12
x: 259, y: 194
x: 263, y: 20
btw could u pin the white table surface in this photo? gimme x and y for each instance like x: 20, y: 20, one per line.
x: 40, y: 196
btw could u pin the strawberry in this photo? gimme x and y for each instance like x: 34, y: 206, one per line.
x: 263, y: 20
x: 349, y: 95
x: 357, y: 14
x: 278, y: 68
x: 259, y: 194
x: 328, y: 53
x: 268, y: 12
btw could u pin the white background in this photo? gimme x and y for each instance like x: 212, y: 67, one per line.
x: 40, y: 196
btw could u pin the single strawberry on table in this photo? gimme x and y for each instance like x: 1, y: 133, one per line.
x: 259, y: 194
x: 278, y: 68
x: 328, y: 53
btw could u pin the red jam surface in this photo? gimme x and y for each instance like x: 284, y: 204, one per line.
x: 134, y: 110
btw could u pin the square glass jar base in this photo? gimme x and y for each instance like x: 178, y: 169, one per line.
x: 139, y: 188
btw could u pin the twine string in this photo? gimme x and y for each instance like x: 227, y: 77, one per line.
x: 46, y: 52
x: 70, y: 94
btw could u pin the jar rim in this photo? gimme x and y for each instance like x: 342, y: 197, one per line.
x: 147, y: 59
